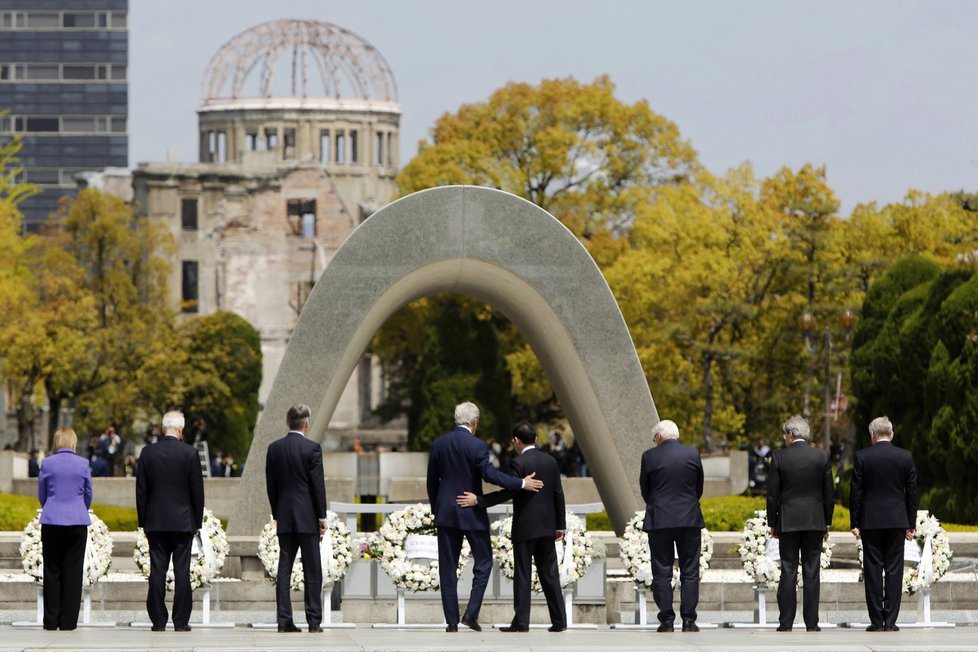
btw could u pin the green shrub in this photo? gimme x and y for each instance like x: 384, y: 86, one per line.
x: 17, y: 511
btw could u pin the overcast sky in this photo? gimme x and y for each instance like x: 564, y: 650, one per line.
x: 882, y: 92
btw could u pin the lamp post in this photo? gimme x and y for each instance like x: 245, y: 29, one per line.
x: 807, y: 323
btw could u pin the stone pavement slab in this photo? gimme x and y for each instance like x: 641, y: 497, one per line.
x: 365, y: 639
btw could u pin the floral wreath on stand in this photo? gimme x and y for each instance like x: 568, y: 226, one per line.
x: 336, y: 552
x: 758, y: 565
x: 935, y: 555
x: 637, y: 558
x: 411, y: 574
x: 205, y: 566
x: 98, y: 551
x: 574, y: 553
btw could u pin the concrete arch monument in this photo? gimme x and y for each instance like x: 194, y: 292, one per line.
x: 505, y: 251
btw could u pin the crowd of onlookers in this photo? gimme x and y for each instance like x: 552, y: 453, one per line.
x: 759, y: 461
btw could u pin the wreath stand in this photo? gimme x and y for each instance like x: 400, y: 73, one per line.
x: 402, y: 617
x: 327, y: 622
x: 760, y: 612
x: 85, y: 612
x: 641, y: 614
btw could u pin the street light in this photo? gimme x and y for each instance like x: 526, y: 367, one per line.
x: 807, y: 323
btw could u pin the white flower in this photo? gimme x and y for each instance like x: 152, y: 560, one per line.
x: 98, y: 557
x: 409, y: 574
x: 204, y: 568
x: 637, y: 559
x: 571, y: 570
x: 753, y: 553
x: 334, y: 569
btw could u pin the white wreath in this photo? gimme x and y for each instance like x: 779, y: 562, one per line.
x: 574, y: 553
x: 411, y: 574
x: 336, y: 552
x: 754, y: 544
x: 211, y: 548
x: 637, y: 558
x: 934, y: 554
x: 98, y: 551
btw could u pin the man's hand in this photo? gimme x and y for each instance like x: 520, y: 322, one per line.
x: 855, y: 532
x: 559, y: 536
x: 530, y: 483
x: 774, y: 533
x: 911, y: 533
x: 468, y: 499
x: 322, y: 527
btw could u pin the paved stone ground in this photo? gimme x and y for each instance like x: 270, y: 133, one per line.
x: 373, y: 640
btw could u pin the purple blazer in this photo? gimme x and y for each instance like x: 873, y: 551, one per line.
x: 64, y: 488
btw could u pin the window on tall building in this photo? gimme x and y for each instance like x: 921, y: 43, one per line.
x: 80, y: 19
x: 324, y: 146
x: 42, y: 124
x: 288, y: 143
x: 251, y: 141
x: 380, y: 148
x: 354, y: 154
x: 340, y: 147
x: 189, y: 286
x: 390, y: 149
x: 302, y: 217
x: 188, y: 213
x: 78, y: 71
x: 271, y: 138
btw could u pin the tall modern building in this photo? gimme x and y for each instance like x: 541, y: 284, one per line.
x: 64, y: 84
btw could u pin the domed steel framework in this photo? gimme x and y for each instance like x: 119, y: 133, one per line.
x: 345, y: 65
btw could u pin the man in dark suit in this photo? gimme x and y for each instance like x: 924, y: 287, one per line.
x: 170, y: 509
x: 297, y: 494
x: 800, y: 502
x: 539, y: 519
x: 459, y: 462
x: 883, y: 514
x: 671, y: 480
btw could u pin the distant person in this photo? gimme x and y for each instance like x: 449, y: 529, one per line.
x: 129, y: 466
x: 64, y: 488
x: 109, y: 444
x: 100, y: 468
x: 459, y: 462
x: 33, y: 465
x: 539, y: 519
x: 671, y: 480
x: 170, y: 509
x: 297, y: 495
x: 229, y: 467
x: 217, y: 468
x: 800, y: 501
x: 884, y: 515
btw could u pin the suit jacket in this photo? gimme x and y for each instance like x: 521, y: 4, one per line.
x: 671, y: 480
x: 296, y: 484
x: 459, y: 462
x: 535, y: 514
x: 64, y: 487
x: 884, y: 488
x: 800, y: 494
x: 169, y: 487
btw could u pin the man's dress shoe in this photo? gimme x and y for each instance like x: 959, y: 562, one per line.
x: 471, y: 623
x: 511, y: 628
x: 690, y: 626
x: 555, y: 628
x: 665, y: 627
x: 185, y: 628
x: 874, y: 628
x: 288, y: 628
x: 451, y: 628
x: 315, y: 629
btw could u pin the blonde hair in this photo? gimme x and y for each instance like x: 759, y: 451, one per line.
x: 64, y: 438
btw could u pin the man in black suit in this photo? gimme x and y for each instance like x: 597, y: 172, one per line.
x: 671, y: 480
x: 459, y: 462
x: 800, y: 502
x: 883, y: 514
x: 539, y: 519
x: 170, y: 509
x: 297, y: 494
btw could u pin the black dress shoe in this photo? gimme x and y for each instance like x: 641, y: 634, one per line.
x: 451, y: 628
x: 690, y: 626
x: 288, y: 628
x: 315, y: 629
x: 665, y: 627
x: 874, y: 628
x: 816, y: 628
x: 158, y: 628
x: 784, y: 628
x: 511, y: 628
x: 891, y: 628
x: 555, y: 628
x: 185, y: 628
x: 472, y: 623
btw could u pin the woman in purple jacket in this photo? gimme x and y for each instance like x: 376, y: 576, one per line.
x: 65, y: 491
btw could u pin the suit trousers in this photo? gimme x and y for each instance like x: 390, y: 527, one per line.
x: 449, y: 550
x: 63, y: 551
x: 163, y: 546
x: 883, y: 556
x: 664, y: 545
x: 542, y: 552
x: 312, y: 574
x: 809, y: 543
